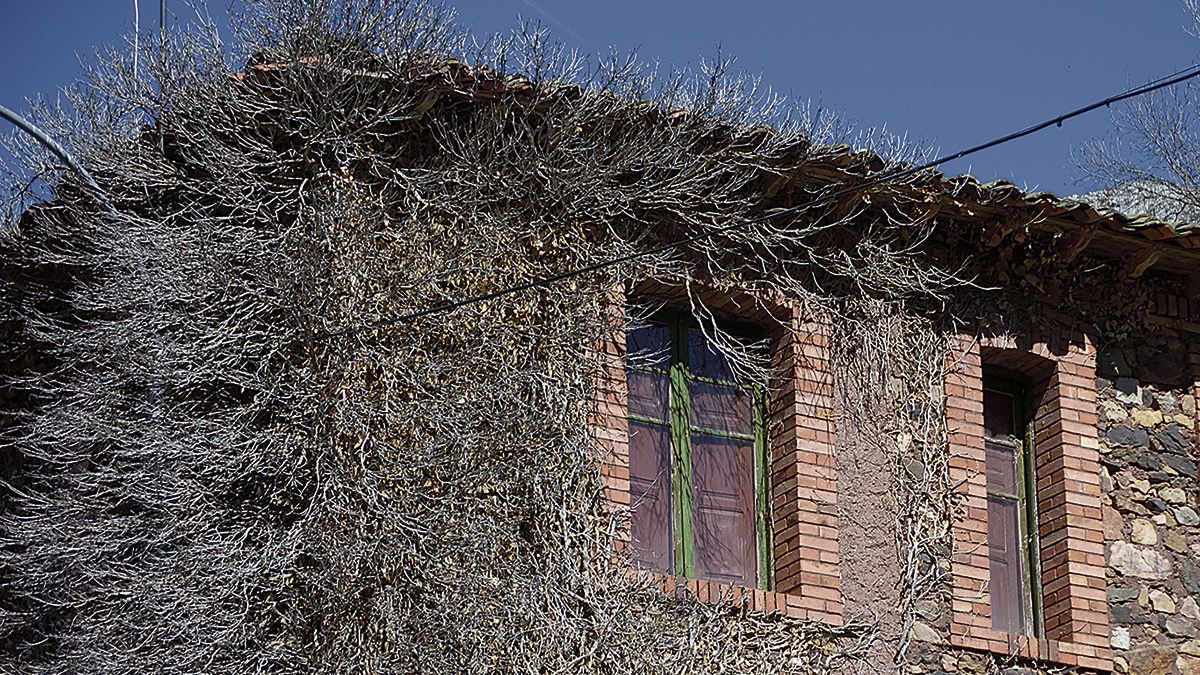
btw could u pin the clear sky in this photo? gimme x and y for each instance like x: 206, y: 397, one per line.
x: 949, y: 73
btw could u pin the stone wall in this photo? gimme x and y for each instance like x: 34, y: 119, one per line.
x: 1147, y: 409
x: 1146, y: 400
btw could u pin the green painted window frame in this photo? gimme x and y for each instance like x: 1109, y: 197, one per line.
x: 1026, y: 495
x: 681, y: 428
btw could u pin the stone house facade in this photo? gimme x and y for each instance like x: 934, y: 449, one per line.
x: 996, y: 477
x: 1111, y: 446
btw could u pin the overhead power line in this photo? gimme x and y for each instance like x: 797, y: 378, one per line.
x: 50, y: 144
x: 1177, y: 77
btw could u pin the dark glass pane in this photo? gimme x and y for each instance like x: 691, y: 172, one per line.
x: 998, y: 414
x: 1001, y: 466
x: 650, y: 496
x: 704, y: 360
x: 649, y: 394
x: 723, y: 510
x: 649, y: 346
x: 1009, y: 583
x: 722, y: 408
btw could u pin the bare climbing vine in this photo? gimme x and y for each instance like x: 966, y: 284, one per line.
x: 195, y: 480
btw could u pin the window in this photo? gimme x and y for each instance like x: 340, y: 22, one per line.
x: 697, y: 458
x: 1028, y: 569
x: 726, y: 489
x: 1012, y: 537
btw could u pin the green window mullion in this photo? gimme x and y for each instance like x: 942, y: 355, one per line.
x: 1029, y: 522
x: 762, y: 461
x: 681, y: 405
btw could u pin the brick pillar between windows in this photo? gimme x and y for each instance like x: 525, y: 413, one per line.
x: 969, y: 565
x: 1070, y: 521
x: 608, y: 415
x: 803, y: 471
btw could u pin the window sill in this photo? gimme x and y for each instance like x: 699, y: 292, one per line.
x: 1058, y: 652
x: 752, y: 599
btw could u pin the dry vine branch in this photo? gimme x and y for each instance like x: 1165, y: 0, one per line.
x: 191, y: 483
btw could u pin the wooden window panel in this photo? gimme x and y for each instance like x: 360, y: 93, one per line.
x: 1012, y: 526
x: 1008, y: 587
x: 723, y: 509
x: 650, y: 496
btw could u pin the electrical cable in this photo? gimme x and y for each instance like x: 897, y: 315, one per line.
x: 1177, y: 77
x: 50, y: 144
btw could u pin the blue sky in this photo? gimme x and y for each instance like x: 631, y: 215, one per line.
x: 946, y: 72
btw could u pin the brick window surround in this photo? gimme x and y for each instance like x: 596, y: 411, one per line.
x: 800, y: 445
x: 1061, y: 368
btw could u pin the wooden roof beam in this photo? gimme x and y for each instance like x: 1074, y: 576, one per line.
x: 1136, y: 265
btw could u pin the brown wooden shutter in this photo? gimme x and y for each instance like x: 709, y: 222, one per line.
x: 1006, y: 552
x: 650, y: 471
x: 723, y: 511
x: 1004, y: 558
x: 650, y: 496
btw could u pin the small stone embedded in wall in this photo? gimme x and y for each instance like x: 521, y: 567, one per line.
x: 1120, y: 637
x: 1180, y: 627
x: 1162, y: 602
x: 1123, y: 435
x: 1151, y: 660
x: 1150, y: 461
x: 922, y: 632
x: 1142, y: 532
x: 1172, y: 439
x: 1118, y: 595
x: 1112, y: 523
x: 1134, y: 561
x: 1189, y: 574
x: 1124, y: 614
x: 1176, y: 542
x: 1173, y: 495
x: 1157, y: 506
x: 930, y: 610
x: 1189, y: 609
x: 1166, y: 402
x: 1181, y: 465
x: 1114, y: 412
x: 1147, y: 418
x: 1126, y: 480
x: 1186, y: 515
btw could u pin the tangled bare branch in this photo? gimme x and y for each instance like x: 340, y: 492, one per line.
x: 193, y: 484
